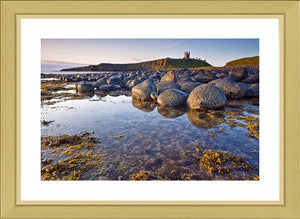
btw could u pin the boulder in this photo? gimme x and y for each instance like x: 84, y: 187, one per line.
x: 143, y: 90
x: 115, y: 80
x: 184, y: 79
x: 100, y: 82
x: 78, y: 79
x: 92, y: 79
x: 170, y: 76
x: 251, y: 79
x: 204, y: 77
x: 68, y: 79
x: 154, y: 96
x: 238, y: 74
x: 131, y: 84
x: 172, y: 98
x: 252, y: 90
x: 154, y: 77
x: 109, y: 87
x: 189, y: 86
x: 206, y: 96
x: 165, y: 85
x: 232, y: 90
x: 85, y: 87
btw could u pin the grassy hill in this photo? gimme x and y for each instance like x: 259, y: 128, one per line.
x: 167, y: 63
x: 244, y: 61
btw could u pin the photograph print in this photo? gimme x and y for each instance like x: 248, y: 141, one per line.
x: 149, y: 109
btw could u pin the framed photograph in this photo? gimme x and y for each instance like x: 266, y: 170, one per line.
x: 150, y: 109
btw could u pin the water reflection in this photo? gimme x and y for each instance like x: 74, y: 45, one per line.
x: 144, y: 106
x: 171, y: 113
x: 204, y: 119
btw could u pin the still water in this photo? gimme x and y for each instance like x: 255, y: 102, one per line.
x: 139, y: 136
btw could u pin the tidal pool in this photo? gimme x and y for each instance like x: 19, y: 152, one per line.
x: 140, y: 140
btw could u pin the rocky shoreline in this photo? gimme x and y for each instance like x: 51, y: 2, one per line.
x: 195, y: 89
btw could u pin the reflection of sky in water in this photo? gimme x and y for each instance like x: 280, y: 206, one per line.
x: 145, y: 128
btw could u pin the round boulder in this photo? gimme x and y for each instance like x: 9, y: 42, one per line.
x: 143, y: 90
x: 115, y: 80
x: 204, y: 77
x: 170, y: 76
x: 100, y: 82
x: 189, y: 86
x: 131, y: 84
x: 165, y: 85
x: 232, y: 90
x: 206, y: 96
x: 172, y: 98
x: 85, y: 87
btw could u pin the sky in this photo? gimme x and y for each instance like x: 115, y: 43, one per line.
x: 66, y: 53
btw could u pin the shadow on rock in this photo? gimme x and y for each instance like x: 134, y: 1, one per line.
x: 170, y: 112
x: 144, y: 106
x: 205, y: 119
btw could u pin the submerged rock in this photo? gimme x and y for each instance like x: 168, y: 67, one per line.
x: 172, y: 98
x: 143, y: 90
x: 206, y: 96
x: 232, y: 90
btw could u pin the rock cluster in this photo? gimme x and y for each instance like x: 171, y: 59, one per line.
x: 196, y: 89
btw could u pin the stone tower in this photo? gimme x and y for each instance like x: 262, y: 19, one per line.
x: 187, y: 55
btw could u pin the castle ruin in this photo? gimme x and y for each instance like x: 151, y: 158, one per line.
x: 187, y: 55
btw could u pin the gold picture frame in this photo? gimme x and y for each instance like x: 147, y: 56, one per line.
x: 11, y: 11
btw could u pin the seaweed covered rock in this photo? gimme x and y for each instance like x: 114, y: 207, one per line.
x: 172, y: 98
x: 206, y: 96
x: 143, y: 90
x: 232, y: 90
